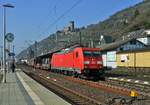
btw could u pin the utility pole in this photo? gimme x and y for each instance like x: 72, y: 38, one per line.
x: 4, y: 45
x: 91, y: 43
x: 56, y: 39
x: 35, y: 54
x: 14, y: 53
x: 1, y: 57
x: 8, y: 56
x: 80, y: 38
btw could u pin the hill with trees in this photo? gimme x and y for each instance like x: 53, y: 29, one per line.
x: 121, y: 23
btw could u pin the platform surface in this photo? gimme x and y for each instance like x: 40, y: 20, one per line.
x: 22, y: 90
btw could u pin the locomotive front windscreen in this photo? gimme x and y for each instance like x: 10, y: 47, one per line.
x: 87, y: 53
x: 96, y: 53
x: 92, y: 53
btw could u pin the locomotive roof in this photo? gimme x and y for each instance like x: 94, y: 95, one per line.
x: 92, y: 49
x: 71, y: 49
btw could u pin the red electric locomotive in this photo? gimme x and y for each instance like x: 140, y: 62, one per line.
x: 78, y: 61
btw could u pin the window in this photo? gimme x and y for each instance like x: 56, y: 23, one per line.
x: 96, y: 53
x: 133, y: 42
x: 87, y: 53
x: 121, y: 49
x: 122, y: 60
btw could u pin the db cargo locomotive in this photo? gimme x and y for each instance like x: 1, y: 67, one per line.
x: 77, y: 61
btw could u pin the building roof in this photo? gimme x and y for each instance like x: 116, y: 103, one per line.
x: 117, y: 44
x: 136, y: 34
x: 113, y: 45
x: 136, y: 50
x: 131, y: 36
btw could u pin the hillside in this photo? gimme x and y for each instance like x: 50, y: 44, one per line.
x: 117, y: 25
x: 130, y: 19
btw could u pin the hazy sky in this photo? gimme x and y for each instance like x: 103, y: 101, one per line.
x: 32, y: 20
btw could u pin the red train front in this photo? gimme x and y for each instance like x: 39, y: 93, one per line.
x: 78, y: 61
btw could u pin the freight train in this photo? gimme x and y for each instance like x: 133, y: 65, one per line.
x: 78, y: 61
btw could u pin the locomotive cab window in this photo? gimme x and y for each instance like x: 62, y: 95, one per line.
x: 96, y: 53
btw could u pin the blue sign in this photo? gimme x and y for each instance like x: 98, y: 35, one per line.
x: 11, y: 54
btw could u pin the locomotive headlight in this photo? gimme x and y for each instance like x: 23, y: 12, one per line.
x: 99, y: 62
x: 86, y: 62
x: 85, y: 66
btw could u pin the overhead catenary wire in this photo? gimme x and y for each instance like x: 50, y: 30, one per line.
x: 48, y: 15
x: 62, y: 16
x: 43, y: 23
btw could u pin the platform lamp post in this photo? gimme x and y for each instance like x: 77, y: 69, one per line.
x: 4, y: 40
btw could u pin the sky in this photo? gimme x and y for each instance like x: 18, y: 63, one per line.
x: 34, y: 20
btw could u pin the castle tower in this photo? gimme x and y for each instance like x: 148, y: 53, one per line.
x: 71, y: 25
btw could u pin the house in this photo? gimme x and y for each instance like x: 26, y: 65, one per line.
x: 109, y: 50
x: 103, y: 39
x: 141, y: 35
x: 145, y: 39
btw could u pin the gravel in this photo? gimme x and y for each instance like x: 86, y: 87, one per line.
x: 91, y: 92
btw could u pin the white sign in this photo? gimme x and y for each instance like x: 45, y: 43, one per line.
x: 124, y: 58
x: 111, y: 56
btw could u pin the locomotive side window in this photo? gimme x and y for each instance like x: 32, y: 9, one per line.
x: 87, y: 53
x: 77, y: 54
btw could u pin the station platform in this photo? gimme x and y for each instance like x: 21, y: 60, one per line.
x: 20, y: 89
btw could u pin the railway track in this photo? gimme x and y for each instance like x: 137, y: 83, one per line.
x: 118, y: 87
x: 103, y: 86
x: 71, y: 96
x: 142, y: 89
x: 80, y: 99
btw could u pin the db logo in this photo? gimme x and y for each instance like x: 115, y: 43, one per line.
x: 93, y: 62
